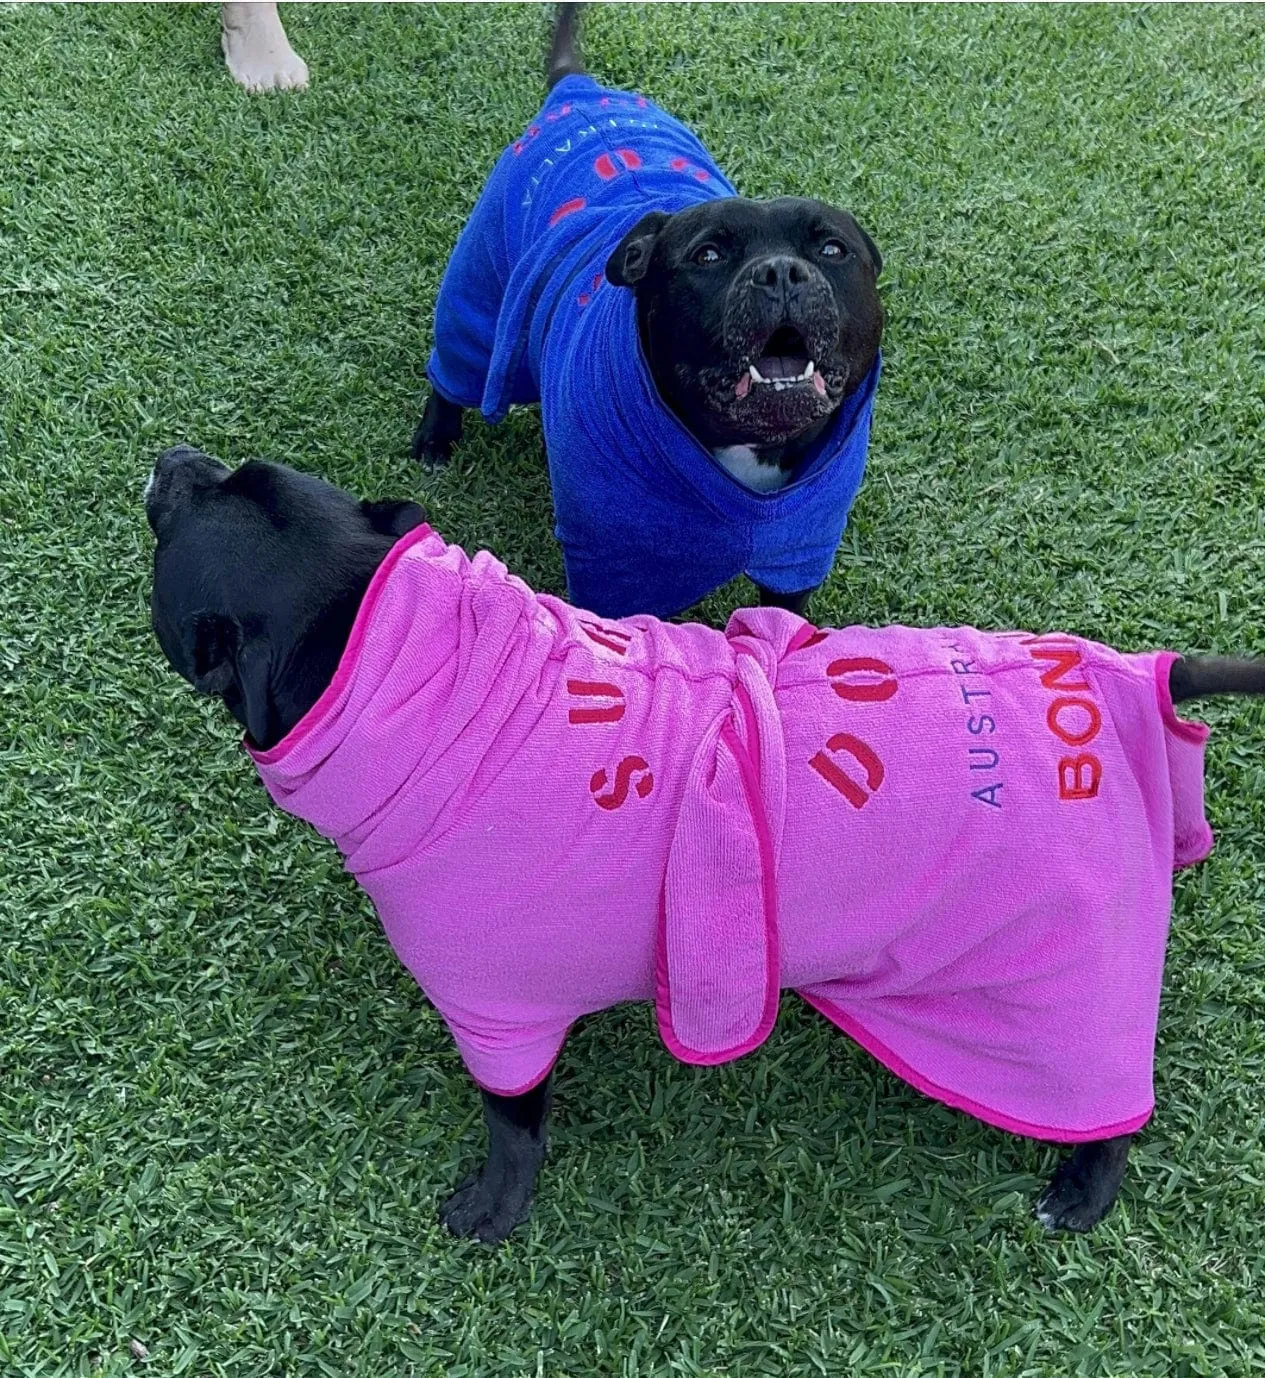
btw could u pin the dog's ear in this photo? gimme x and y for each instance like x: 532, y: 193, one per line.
x: 212, y: 644
x: 233, y: 666
x: 392, y: 517
x: 627, y: 265
x: 874, y: 253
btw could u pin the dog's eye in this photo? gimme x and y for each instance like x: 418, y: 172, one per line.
x: 834, y: 248
x: 706, y: 256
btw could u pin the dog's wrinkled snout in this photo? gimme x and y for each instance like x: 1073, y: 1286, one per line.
x: 779, y: 275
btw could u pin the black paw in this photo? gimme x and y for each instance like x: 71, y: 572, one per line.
x: 428, y: 453
x: 482, y: 1210
x: 437, y: 432
x: 1085, y: 1186
x: 1075, y: 1200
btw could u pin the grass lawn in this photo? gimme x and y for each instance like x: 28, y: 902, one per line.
x: 227, y: 1116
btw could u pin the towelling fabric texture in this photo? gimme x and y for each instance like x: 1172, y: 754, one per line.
x: 958, y: 846
x: 648, y: 520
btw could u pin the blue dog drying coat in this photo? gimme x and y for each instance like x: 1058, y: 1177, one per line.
x: 649, y: 521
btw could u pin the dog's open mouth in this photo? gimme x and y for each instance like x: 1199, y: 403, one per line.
x: 783, y: 363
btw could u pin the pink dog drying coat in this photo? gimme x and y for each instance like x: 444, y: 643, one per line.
x: 958, y: 846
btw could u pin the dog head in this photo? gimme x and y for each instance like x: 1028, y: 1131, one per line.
x: 757, y: 318
x: 258, y: 574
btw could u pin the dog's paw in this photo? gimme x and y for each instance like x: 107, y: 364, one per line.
x: 1074, y: 1201
x: 432, y: 458
x: 430, y: 450
x: 1085, y: 1186
x: 486, y: 1211
x: 437, y: 432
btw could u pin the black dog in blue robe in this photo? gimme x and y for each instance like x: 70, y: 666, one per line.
x: 706, y: 365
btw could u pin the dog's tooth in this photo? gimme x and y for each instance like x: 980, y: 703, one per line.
x: 808, y: 372
x: 756, y: 376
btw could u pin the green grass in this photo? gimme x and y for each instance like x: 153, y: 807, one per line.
x: 226, y: 1115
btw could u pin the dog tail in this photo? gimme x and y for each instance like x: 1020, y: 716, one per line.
x: 564, y: 52
x: 1197, y: 677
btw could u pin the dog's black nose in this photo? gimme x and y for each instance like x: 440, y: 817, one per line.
x: 178, y: 453
x: 188, y: 457
x: 177, y: 457
x: 778, y: 274
x: 176, y: 473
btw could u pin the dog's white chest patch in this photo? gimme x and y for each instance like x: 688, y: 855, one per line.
x: 742, y: 463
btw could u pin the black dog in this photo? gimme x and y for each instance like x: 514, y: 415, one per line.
x: 758, y: 321
x: 258, y: 576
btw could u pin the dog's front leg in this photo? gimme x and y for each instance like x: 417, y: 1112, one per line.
x: 1085, y: 1186
x: 796, y: 602
x: 494, y: 1200
x: 437, y: 432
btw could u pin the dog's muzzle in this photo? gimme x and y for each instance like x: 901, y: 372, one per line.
x: 176, y: 473
x: 782, y: 326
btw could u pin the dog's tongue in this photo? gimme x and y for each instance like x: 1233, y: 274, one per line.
x: 785, y: 356
x: 776, y: 367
